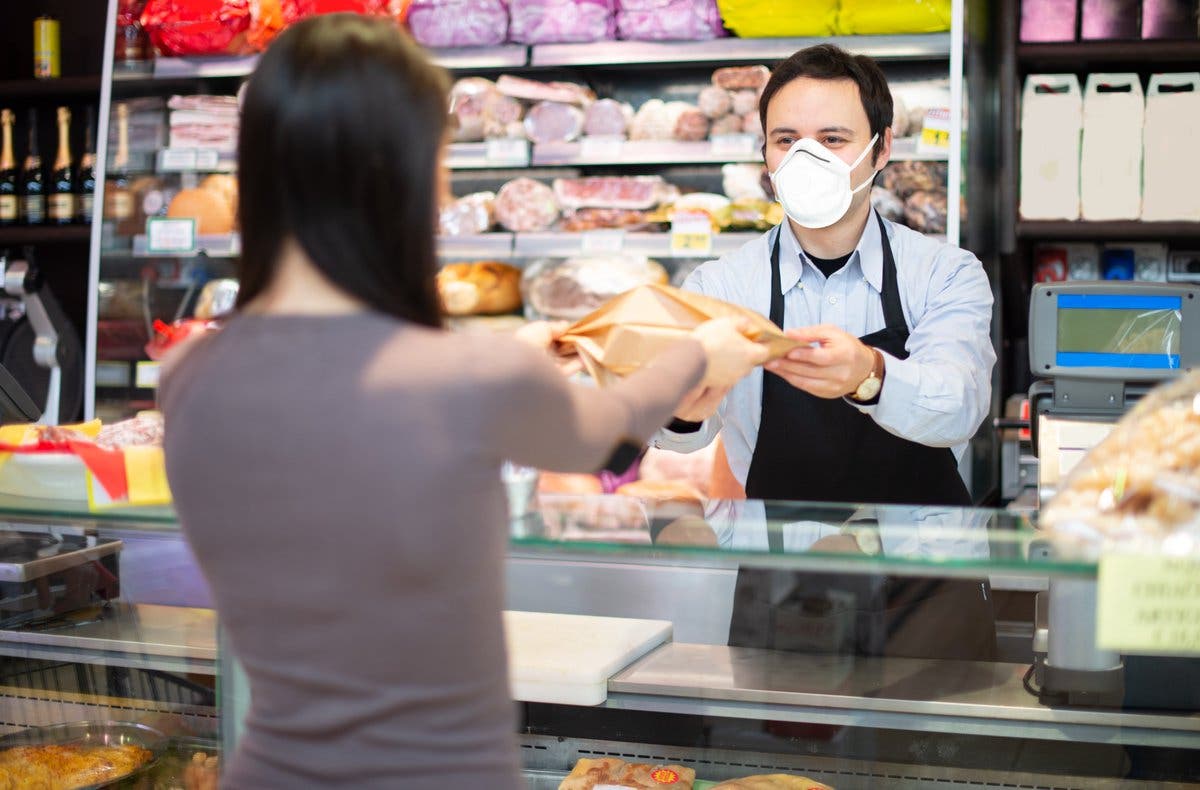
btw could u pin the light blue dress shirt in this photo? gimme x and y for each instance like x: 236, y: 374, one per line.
x: 939, y: 396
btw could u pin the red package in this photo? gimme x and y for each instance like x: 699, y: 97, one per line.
x: 1051, y: 265
x: 166, y: 336
x: 197, y: 27
x: 295, y: 10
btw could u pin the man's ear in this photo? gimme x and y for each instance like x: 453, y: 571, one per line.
x: 885, y: 152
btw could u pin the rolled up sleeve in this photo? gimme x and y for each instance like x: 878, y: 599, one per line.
x: 940, y: 394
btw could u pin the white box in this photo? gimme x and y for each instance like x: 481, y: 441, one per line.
x: 1051, y: 123
x: 1110, y: 165
x: 1172, y: 148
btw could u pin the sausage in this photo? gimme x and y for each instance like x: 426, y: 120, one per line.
x: 691, y: 125
x: 553, y: 122
x: 715, y: 102
x: 607, y: 117
x: 736, y: 78
x: 525, y: 206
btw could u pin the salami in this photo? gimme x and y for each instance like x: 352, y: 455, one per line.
x: 736, y: 78
x: 752, y: 123
x: 607, y: 117
x: 561, y: 21
x: 691, y: 125
x: 728, y: 124
x: 553, y: 122
x: 715, y: 102
x: 468, y: 102
x: 744, y: 102
x: 624, y: 192
x: 458, y: 23
x: 532, y: 90
x: 526, y: 206
x: 468, y: 215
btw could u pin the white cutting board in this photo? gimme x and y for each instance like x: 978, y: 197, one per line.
x: 568, y: 658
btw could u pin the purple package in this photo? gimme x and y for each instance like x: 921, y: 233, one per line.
x: 669, y: 20
x: 459, y: 23
x: 1048, y: 20
x: 561, y: 21
x: 609, y: 482
x: 1109, y: 19
x: 1169, y: 19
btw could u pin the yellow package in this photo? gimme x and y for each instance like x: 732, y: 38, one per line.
x: 773, y: 19
x: 881, y: 17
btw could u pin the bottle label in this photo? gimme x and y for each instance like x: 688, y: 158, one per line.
x: 35, y: 209
x: 87, y: 207
x: 122, y: 205
x: 62, y: 207
x: 8, y: 208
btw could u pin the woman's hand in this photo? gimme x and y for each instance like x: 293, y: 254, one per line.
x: 730, y: 355
x: 541, y: 335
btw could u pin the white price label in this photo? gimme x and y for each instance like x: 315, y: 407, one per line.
x: 1149, y: 604
x: 691, y: 235
x: 601, y: 147
x: 508, y: 151
x: 177, y: 159
x: 602, y: 241
x: 935, y: 134
x: 207, y: 159
x: 146, y: 375
x: 170, y: 235
x: 734, y: 145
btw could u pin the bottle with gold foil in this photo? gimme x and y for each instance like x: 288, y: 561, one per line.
x: 46, y: 48
x: 118, y: 199
x: 85, y: 181
x: 33, y: 184
x: 60, y: 202
x: 10, y: 211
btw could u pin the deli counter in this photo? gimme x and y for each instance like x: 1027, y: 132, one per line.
x: 620, y: 616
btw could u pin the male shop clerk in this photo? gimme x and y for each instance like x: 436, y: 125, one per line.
x: 894, y: 375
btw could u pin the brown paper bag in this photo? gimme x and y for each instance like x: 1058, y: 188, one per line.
x: 627, y: 332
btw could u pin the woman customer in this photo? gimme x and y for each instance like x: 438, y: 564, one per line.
x: 335, y: 454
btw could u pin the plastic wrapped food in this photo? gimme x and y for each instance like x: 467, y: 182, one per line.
x: 481, y: 288
x: 737, y: 78
x: 561, y: 21
x: 624, y: 192
x: 553, y: 122
x: 608, y: 117
x: 458, y: 23
x: 726, y: 124
x: 745, y: 101
x: 887, y: 204
x: 467, y: 99
x: 144, y: 430
x: 659, y: 120
x: 691, y: 125
x: 603, y: 219
x: 502, y: 116
x: 198, y: 27
x: 715, y: 102
x: 773, y: 19
x: 742, y: 182
x: 295, y: 10
x: 883, y: 17
x: 570, y: 289
x: 526, y: 206
x: 1144, y: 478
x: 905, y: 178
x: 925, y: 212
x: 752, y: 124
x: 532, y: 90
x: 899, y: 116
x: 669, y: 20
x: 469, y: 215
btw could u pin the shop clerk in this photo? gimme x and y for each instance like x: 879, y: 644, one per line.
x: 894, y: 375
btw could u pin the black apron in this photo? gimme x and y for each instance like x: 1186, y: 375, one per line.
x: 812, y: 449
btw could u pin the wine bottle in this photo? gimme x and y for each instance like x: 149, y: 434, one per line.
x: 86, y: 180
x: 33, y: 188
x: 60, y: 205
x: 118, y: 200
x: 9, y: 202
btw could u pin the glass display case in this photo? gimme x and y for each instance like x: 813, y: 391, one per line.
x: 817, y: 697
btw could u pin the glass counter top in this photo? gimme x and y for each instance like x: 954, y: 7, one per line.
x: 903, y: 540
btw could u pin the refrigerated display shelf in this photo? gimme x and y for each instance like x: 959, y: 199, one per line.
x: 44, y: 234
x: 1091, y: 55
x: 1119, y: 230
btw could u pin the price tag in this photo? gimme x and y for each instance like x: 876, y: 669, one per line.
x: 170, y: 235
x: 601, y: 147
x: 146, y: 375
x: 112, y: 374
x: 691, y: 235
x: 602, y: 241
x: 207, y: 159
x: 1149, y: 604
x: 935, y: 134
x: 177, y: 159
x: 504, y: 150
x: 734, y: 145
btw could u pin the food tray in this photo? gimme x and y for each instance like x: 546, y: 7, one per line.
x: 57, y: 476
x: 94, y: 733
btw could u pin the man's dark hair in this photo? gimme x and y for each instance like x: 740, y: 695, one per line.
x: 338, y: 149
x: 827, y: 62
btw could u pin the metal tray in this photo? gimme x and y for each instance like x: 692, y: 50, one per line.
x: 94, y: 733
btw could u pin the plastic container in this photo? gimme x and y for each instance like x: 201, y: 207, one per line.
x: 1172, y: 160
x: 1110, y: 166
x: 1051, y: 122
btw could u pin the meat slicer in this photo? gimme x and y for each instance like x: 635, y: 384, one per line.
x: 1099, y: 347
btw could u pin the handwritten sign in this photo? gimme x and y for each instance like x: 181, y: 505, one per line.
x: 1149, y: 604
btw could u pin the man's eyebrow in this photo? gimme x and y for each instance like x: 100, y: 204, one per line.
x: 782, y: 130
x: 826, y: 130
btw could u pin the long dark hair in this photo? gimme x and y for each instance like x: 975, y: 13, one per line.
x: 341, y: 126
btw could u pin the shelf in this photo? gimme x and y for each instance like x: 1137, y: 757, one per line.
x: 607, y: 242
x: 1084, y: 55
x: 47, y: 234
x: 735, y: 50
x: 38, y: 89
x: 1064, y: 230
x: 607, y: 151
x: 507, y: 56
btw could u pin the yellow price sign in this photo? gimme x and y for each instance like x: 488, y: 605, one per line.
x: 691, y: 235
x: 935, y: 138
x: 1149, y: 604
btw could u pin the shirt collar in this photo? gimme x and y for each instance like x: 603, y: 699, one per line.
x: 868, y: 254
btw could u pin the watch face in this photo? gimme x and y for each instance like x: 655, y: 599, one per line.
x: 868, y: 389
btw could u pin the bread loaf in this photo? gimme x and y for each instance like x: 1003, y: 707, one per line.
x: 482, y: 288
x: 210, y: 209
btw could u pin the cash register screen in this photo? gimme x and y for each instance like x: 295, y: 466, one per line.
x: 1119, y: 331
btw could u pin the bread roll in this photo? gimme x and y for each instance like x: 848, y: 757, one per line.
x: 211, y: 210
x: 224, y: 185
x: 483, y: 288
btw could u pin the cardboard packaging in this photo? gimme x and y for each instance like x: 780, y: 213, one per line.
x: 1051, y: 122
x: 1110, y: 167
x: 1170, y: 19
x: 631, y: 330
x: 1172, y: 158
x: 1109, y: 19
x: 1048, y: 20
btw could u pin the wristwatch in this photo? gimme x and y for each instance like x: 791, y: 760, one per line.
x: 868, y: 389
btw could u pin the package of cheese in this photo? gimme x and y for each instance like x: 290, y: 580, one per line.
x: 1110, y: 166
x: 1051, y: 121
x: 1172, y: 162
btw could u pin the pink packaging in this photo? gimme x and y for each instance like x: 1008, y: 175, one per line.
x: 1169, y: 19
x: 1109, y: 19
x: 668, y: 20
x: 1048, y: 20
x: 561, y: 21
x: 459, y: 23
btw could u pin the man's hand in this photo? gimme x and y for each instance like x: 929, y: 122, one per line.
x: 830, y: 363
x: 701, y: 403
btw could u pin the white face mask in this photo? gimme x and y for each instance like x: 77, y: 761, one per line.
x: 813, y: 184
